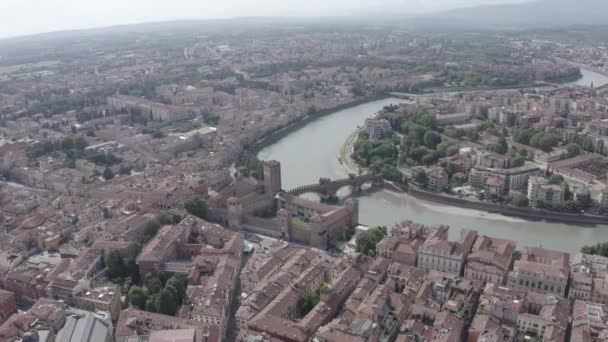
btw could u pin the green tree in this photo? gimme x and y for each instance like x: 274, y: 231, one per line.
x: 446, y: 148
x: 108, y: 174
x: 167, y: 303
x: 176, y: 283
x: 431, y: 139
x: 567, y: 191
x: 196, y: 206
x: 153, y: 285
x: 366, y: 241
x: 164, y: 218
x: 598, y: 249
x: 307, y: 302
x: 518, y: 161
x: 520, y: 201
x: 115, y: 265
x: 151, y: 228
x: 573, y: 150
x: 152, y: 303
x: 420, y: 178
x: 544, y: 140
x: 431, y: 158
x: 501, y: 147
x: 137, y: 297
x: 556, y: 179
x: 133, y: 251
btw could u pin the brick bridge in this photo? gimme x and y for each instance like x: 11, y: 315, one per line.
x: 326, y: 187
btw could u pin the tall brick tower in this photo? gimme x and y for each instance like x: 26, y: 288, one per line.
x: 272, y: 177
x: 352, y: 205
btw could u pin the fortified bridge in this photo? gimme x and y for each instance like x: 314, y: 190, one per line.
x: 326, y: 187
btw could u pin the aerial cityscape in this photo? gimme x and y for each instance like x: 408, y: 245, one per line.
x: 425, y: 177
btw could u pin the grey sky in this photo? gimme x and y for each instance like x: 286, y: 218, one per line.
x: 20, y: 17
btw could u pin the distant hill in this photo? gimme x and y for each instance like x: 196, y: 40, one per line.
x: 534, y: 14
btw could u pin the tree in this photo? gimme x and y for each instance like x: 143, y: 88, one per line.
x: 152, y: 303
x: 446, y: 148
x: 366, y: 241
x: 157, y: 135
x: 167, y: 303
x: 501, y: 147
x: 137, y: 297
x: 421, y: 178
x: 176, y: 283
x: 567, y: 191
x: 518, y: 161
x: 151, y: 228
x: 598, y: 249
x: 108, y: 173
x: 520, y: 201
x: 418, y: 153
x: 114, y: 264
x: 307, y: 302
x: 431, y: 158
x: 573, y: 150
x: 431, y: 139
x: 556, y: 179
x: 211, y: 118
x: 153, y: 285
x: 544, y: 140
x: 165, y: 218
x: 196, y: 206
x: 133, y: 251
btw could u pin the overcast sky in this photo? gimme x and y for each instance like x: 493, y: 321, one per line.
x: 21, y: 17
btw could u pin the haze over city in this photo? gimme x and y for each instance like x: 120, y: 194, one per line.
x: 22, y: 17
x: 298, y: 171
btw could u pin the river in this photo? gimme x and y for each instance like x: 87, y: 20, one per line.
x: 590, y: 76
x: 312, y: 152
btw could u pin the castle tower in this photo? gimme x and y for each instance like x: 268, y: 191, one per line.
x: 235, y: 213
x: 284, y: 217
x: 272, y: 177
x: 352, y: 205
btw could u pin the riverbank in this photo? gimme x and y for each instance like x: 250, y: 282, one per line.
x: 313, y: 151
x: 346, y: 151
x: 583, y: 66
x: 283, y: 131
x: 443, y: 90
x: 526, y: 213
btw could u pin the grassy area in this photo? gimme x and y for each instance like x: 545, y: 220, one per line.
x: 299, y: 223
x: 9, y: 69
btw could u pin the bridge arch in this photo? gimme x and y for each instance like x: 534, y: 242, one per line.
x: 327, y: 187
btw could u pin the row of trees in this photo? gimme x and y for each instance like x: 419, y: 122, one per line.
x: 598, y: 249
x: 542, y: 140
x: 73, y: 146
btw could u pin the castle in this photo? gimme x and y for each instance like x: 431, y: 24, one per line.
x: 263, y: 207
